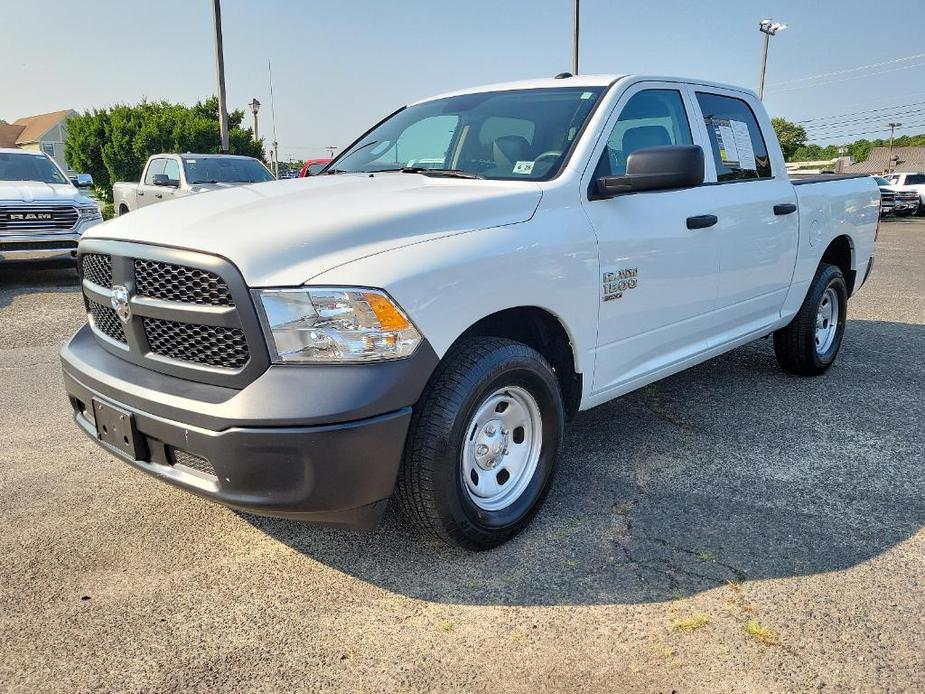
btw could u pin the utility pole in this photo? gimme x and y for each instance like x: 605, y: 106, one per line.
x: 331, y: 149
x: 575, y: 38
x: 220, y: 66
x: 769, y: 28
x: 273, y: 115
x: 889, y: 161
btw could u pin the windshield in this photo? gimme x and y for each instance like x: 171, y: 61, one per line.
x: 510, y: 135
x: 315, y: 169
x: 29, y: 167
x: 881, y: 181
x: 225, y: 170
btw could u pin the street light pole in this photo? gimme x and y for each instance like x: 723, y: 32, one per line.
x: 769, y: 28
x: 255, y: 106
x: 575, y: 38
x: 889, y: 161
x: 220, y: 66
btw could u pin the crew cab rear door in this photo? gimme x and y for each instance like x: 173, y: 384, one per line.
x: 146, y: 189
x: 756, y: 208
x: 658, y: 273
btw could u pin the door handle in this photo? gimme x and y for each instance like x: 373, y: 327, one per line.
x: 141, y: 192
x: 785, y: 208
x: 701, y: 221
x: 158, y: 195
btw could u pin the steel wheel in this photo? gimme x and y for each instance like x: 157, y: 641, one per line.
x: 826, y: 321
x: 503, y: 443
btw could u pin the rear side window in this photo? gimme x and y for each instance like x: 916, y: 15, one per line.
x: 156, y: 167
x: 651, y: 118
x: 738, y: 146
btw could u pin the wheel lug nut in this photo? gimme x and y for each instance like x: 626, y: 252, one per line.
x: 482, y: 449
x: 490, y: 429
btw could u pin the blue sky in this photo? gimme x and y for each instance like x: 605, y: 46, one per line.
x: 340, y: 66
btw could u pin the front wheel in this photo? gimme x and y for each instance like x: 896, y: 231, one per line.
x: 808, y: 345
x: 483, y: 444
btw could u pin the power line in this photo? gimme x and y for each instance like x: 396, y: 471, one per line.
x: 867, y: 119
x: 847, y: 79
x: 883, y: 129
x: 857, y: 113
x: 853, y: 69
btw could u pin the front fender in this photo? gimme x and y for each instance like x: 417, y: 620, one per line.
x: 448, y: 284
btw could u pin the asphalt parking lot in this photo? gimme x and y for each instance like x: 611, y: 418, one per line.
x: 729, y: 529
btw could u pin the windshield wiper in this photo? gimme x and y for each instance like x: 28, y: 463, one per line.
x: 424, y: 171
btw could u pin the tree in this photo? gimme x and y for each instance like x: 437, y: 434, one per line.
x: 790, y: 135
x: 113, y: 144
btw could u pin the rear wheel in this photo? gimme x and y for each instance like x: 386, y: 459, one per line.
x: 808, y: 345
x: 483, y: 444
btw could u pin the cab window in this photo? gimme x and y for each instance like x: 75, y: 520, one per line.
x: 739, y: 150
x: 155, y: 167
x: 651, y: 118
x: 172, y: 170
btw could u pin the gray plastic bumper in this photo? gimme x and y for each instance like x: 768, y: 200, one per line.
x: 316, y: 443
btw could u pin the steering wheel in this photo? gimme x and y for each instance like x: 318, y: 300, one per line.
x: 551, y: 154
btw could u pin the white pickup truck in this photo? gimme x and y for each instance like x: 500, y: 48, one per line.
x: 312, y: 348
x: 170, y: 176
x: 42, y: 213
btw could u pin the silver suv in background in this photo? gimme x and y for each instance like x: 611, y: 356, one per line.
x: 42, y: 213
x: 914, y: 181
x: 169, y: 176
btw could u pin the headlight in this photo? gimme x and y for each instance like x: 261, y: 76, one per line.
x: 333, y: 324
x: 89, y: 212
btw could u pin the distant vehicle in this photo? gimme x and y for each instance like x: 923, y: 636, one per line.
x: 915, y: 181
x: 42, y: 213
x: 169, y: 176
x: 312, y: 167
x: 901, y: 201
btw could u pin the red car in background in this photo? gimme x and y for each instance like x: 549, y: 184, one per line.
x: 311, y: 167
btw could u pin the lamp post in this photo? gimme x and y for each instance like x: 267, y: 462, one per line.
x: 255, y: 106
x: 889, y: 161
x: 769, y: 28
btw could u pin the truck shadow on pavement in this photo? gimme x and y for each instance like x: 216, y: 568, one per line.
x: 729, y: 472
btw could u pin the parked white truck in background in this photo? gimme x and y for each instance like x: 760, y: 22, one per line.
x: 304, y: 348
x: 42, y: 213
x: 913, y: 181
x: 171, y: 176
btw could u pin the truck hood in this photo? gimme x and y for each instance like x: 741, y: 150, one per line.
x: 33, y: 191
x: 283, y: 233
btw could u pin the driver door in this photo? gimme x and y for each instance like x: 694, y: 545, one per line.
x: 659, y: 278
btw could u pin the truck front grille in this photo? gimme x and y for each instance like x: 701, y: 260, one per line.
x: 203, y: 344
x: 178, y: 283
x: 20, y: 218
x: 190, y: 314
x: 105, y: 320
x: 97, y: 269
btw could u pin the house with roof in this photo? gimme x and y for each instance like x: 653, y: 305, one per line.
x: 905, y: 159
x: 45, y: 132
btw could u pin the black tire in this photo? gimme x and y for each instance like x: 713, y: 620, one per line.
x: 921, y: 211
x: 795, y: 344
x: 431, y: 491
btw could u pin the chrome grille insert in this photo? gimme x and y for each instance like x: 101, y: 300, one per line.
x: 106, y: 321
x: 211, y: 345
x: 190, y: 285
x: 97, y: 268
x: 37, y: 218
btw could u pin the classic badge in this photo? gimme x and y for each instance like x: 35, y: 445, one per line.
x: 120, y: 303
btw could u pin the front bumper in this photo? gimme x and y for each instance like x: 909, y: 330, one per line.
x: 314, y: 443
x: 25, y: 245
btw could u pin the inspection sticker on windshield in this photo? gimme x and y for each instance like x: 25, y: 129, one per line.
x: 523, y: 167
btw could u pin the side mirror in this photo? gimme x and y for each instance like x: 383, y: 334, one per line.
x: 83, y: 180
x: 656, y: 168
x: 163, y: 180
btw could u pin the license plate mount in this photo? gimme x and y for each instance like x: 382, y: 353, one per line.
x: 116, y: 427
